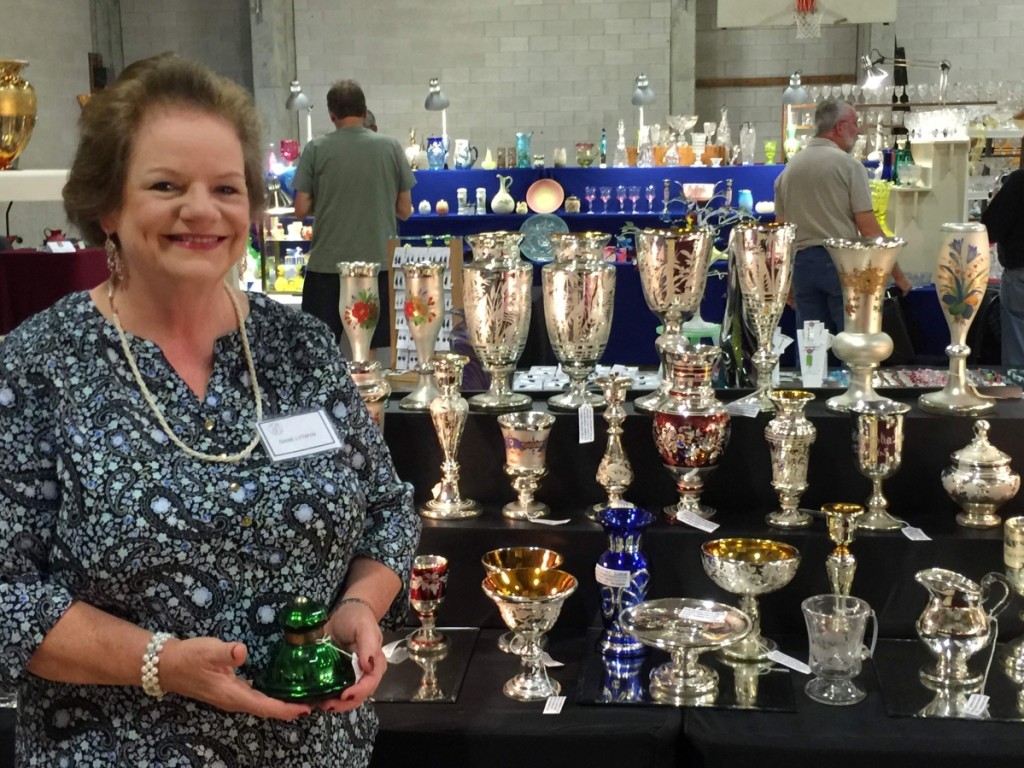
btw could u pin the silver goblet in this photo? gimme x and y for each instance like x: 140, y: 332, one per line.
x: 448, y: 412
x: 789, y: 437
x: 424, y: 312
x: 673, y: 267
x: 878, y: 445
x: 511, y: 558
x: 526, y: 440
x: 864, y: 267
x: 762, y: 254
x: 579, y: 297
x: 749, y: 568
x: 496, y: 287
x: 529, y: 601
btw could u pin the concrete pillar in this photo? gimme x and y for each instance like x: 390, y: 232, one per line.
x: 273, y: 65
x: 682, y: 57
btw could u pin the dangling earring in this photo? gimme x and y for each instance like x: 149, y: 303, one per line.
x: 243, y: 264
x: 115, y: 264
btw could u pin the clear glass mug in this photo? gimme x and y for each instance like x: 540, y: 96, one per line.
x: 835, y: 633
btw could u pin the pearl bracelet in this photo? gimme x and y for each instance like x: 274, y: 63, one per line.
x: 150, y: 660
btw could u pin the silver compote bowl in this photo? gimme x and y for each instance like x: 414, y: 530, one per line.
x: 685, y: 627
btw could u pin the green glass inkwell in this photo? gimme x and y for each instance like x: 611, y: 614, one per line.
x: 307, y: 666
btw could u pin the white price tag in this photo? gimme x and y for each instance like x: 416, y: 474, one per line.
x: 60, y: 246
x: 547, y: 661
x: 788, y: 661
x: 396, y: 652
x: 695, y: 521
x: 703, y: 615
x: 548, y: 521
x: 553, y: 705
x: 586, y: 416
x: 743, y: 409
x: 977, y: 705
x: 915, y: 534
x: 610, y: 577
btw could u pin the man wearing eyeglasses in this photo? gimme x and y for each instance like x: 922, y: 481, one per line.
x: 824, y: 191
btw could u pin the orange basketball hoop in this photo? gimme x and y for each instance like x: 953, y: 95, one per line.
x: 808, y: 19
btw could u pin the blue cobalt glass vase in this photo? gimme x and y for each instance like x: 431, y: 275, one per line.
x: 622, y: 574
x: 622, y: 681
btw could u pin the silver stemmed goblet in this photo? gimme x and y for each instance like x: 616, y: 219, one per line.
x: 840, y: 564
x: 789, y: 437
x: 424, y: 313
x: 529, y: 601
x: 762, y: 255
x: 511, y: 558
x: 749, y: 568
x: 864, y: 267
x: 448, y: 412
x: 579, y: 297
x: 496, y: 287
x: 673, y: 266
x: 1013, y: 559
x: 426, y: 592
x: 878, y: 445
x: 526, y: 438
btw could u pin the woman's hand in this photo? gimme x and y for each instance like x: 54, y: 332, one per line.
x: 354, y: 627
x: 205, y: 669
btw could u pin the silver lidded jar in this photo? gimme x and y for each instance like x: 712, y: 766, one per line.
x: 980, y: 480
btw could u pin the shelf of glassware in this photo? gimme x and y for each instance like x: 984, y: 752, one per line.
x: 917, y: 213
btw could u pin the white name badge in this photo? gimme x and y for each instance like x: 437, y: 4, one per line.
x: 297, y: 435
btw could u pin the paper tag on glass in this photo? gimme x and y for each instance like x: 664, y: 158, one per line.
x: 357, y: 668
x: 548, y: 521
x: 977, y: 705
x: 586, y: 416
x: 915, y: 534
x: 743, y: 409
x: 396, y: 652
x: 547, y: 661
x: 788, y: 661
x: 696, y: 521
x: 553, y: 705
x: 703, y: 615
x: 610, y: 577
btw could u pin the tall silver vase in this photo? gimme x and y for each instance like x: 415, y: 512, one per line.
x: 762, y: 254
x: 424, y: 313
x: 614, y: 473
x: 961, y: 277
x: 448, y: 412
x: 864, y: 267
x: 878, y: 446
x: 496, y: 296
x: 673, y: 266
x: 789, y: 437
x: 579, y: 297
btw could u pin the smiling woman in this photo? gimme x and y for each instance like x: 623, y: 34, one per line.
x: 146, y: 554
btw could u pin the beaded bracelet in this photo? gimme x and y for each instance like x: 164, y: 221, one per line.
x: 150, y: 660
x: 359, y: 600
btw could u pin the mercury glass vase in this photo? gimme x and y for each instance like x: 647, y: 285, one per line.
x: 579, y: 297
x: 358, y: 305
x: 961, y: 278
x: 424, y: 313
x: 496, y: 288
x: 864, y: 267
x: 789, y: 435
x: 17, y: 111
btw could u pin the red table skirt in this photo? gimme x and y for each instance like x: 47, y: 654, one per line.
x: 30, y: 280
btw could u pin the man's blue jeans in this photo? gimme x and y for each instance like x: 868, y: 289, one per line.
x: 1011, y: 317
x: 816, y: 289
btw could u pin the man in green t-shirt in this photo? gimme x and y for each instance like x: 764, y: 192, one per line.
x: 357, y: 183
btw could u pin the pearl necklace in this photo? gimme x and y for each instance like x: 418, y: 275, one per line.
x: 222, y: 458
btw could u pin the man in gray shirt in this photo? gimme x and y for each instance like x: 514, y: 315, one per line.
x: 358, y: 184
x: 824, y: 191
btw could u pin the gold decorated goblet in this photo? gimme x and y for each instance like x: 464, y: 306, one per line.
x: 526, y: 439
x: 424, y: 312
x: 685, y: 627
x: 510, y: 558
x: 842, y: 526
x: 530, y: 600
x: 878, y: 444
x: 426, y: 592
x: 749, y: 568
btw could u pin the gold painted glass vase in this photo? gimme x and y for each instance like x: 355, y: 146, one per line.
x: 17, y: 111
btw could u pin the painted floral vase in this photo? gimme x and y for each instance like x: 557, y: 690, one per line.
x: 691, y: 429
x: 622, y: 574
